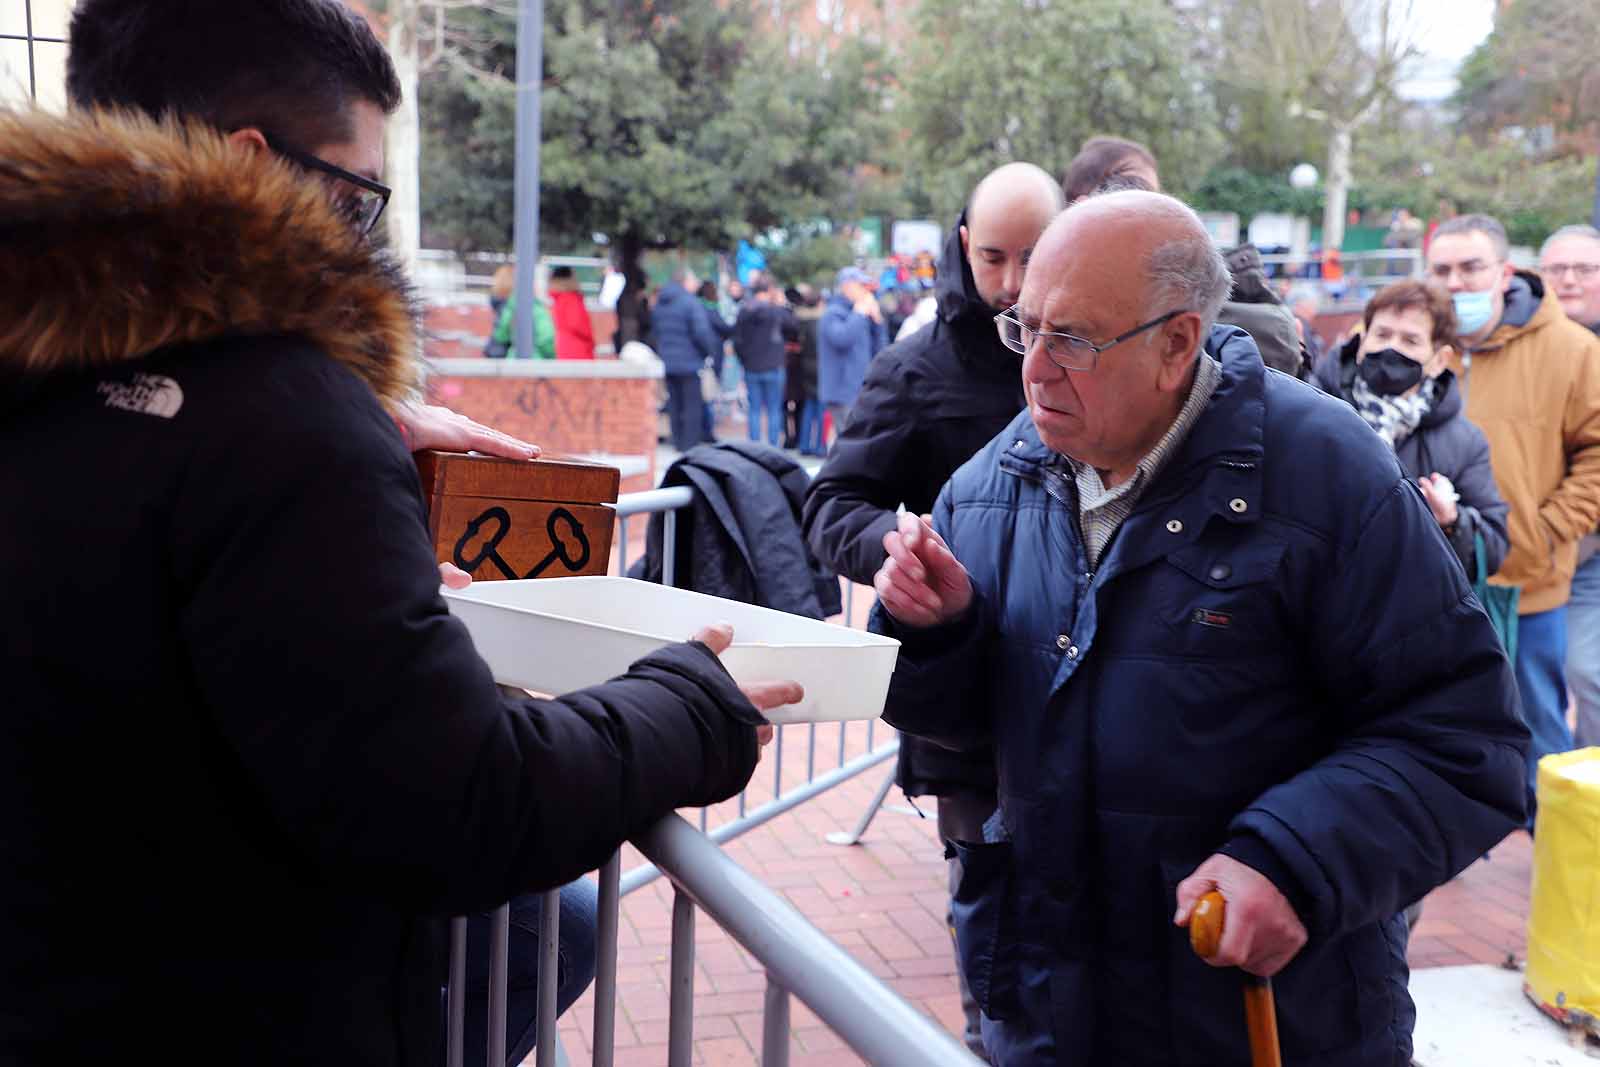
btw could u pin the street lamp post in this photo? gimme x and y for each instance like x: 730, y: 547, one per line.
x: 530, y: 75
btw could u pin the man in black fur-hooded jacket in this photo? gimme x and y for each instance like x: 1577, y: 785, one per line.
x: 247, y: 758
x: 928, y: 404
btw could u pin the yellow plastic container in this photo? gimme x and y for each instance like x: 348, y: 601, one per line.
x: 1563, y: 975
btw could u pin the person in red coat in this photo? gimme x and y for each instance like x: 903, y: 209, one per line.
x: 574, y: 333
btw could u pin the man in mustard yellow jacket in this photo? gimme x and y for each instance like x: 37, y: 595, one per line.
x: 1532, y: 378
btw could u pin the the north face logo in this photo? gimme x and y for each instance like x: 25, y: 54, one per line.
x: 148, y: 394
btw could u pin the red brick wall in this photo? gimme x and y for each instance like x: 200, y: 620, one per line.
x: 563, y: 415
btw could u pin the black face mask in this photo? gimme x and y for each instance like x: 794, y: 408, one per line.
x: 1388, y: 372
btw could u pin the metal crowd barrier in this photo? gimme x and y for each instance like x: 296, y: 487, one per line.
x: 799, y: 959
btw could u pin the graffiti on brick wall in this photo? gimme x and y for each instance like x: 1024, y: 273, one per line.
x: 563, y: 415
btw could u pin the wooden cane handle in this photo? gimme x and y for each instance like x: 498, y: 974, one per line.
x: 1260, y: 1013
x: 1205, y: 925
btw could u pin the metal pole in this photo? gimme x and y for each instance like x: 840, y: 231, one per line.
x: 549, y: 962
x: 499, y: 958
x: 455, y: 1054
x: 680, y: 1021
x: 882, y: 1028
x: 669, y: 547
x: 777, y: 763
x: 605, y: 975
x: 646, y: 873
x: 775, y: 1026
x: 854, y: 836
x: 530, y: 75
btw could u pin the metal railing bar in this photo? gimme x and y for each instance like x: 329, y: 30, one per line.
x: 499, y: 957
x: 777, y: 762
x: 854, y: 836
x: 652, y: 500
x: 775, y: 1025
x: 669, y: 548
x: 680, y: 1020
x: 549, y: 962
x: 456, y: 1010
x: 870, y: 1018
x: 646, y: 873
x: 605, y: 974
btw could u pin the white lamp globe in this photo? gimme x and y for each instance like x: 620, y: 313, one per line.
x: 1303, y: 176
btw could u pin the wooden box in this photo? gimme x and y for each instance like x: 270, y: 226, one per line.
x: 505, y: 518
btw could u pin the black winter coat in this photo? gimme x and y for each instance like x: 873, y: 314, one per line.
x: 248, y: 760
x: 741, y: 539
x: 929, y: 403
x: 1445, y: 443
x: 758, y: 335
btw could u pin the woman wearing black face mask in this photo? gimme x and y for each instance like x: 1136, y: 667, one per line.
x: 1393, y: 373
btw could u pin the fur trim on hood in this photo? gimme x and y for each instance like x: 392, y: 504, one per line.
x: 121, y: 235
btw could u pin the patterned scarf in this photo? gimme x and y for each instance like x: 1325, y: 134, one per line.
x: 1394, y: 417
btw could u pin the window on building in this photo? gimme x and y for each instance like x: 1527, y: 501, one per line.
x: 33, y: 51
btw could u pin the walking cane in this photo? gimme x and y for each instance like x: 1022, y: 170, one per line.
x: 1260, y: 1013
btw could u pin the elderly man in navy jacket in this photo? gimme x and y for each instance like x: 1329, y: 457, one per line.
x: 1218, y: 642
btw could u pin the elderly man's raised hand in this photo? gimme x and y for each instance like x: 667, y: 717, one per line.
x: 1262, y: 933
x: 921, y: 583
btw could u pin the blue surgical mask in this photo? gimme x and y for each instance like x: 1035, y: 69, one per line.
x: 1473, y: 310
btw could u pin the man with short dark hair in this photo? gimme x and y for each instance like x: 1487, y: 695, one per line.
x: 1109, y: 164
x: 1532, y: 381
x: 1201, y: 667
x: 248, y: 760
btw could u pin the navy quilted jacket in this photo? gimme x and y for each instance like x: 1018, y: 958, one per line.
x: 1278, y: 659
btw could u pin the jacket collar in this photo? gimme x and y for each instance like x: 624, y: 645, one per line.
x: 1529, y: 306
x: 121, y: 235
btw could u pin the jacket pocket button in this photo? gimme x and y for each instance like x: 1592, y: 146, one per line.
x: 1221, y: 572
x: 1174, y: 526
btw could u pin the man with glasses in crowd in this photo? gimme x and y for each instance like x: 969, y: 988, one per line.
x: 1569, y: 263
x: 1532, y: 380
x: 1218, y: 642
x: 248, y: 760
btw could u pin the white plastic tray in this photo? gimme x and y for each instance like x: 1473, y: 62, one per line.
x: 554, y: 635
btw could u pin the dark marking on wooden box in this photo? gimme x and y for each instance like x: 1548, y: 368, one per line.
x: 505, y: 518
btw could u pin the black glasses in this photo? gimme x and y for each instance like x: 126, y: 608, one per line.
x: 1067, y: 351
x: 361, y: 203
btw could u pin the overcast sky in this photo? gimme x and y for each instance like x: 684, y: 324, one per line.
x: 1447, y: 30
